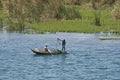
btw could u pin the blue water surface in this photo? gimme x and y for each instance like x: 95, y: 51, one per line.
x: 88, y: 57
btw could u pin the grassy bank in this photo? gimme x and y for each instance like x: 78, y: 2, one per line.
x: 74, y: 26
x: 60, y: 15
x: 2, y: 17
x: 86, y: 24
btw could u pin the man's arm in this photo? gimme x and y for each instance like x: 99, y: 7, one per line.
x: 59, y: 39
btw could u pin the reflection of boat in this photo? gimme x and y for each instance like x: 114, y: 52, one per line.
x: 109, y: 36
x: 41, y: 52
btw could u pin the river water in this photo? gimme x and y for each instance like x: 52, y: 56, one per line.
x: 88, y: 57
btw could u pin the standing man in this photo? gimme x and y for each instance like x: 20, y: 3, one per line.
x: 63, y: 43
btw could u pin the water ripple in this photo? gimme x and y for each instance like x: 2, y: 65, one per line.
x: 88, y: 58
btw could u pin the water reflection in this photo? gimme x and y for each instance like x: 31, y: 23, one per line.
x: 88, y: 57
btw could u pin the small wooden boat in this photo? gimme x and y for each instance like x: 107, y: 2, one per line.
x: 109, y: 38
x: 41, y: 52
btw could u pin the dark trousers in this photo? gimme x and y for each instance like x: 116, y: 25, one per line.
x: 63, y: 47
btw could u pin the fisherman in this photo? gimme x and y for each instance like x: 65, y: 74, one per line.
x: 63, y: 43
x: 46, y: 49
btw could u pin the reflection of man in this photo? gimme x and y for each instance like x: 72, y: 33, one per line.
x: 63, y: 43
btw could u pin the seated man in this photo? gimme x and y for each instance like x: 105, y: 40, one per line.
x: 46, y: 49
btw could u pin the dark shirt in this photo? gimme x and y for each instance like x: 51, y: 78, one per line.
x: 63, y: 42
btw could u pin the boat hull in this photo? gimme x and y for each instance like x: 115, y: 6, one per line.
x: 40, y: 52
x: 109, y: 38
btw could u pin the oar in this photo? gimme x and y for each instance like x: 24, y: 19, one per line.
x: 50, y: 52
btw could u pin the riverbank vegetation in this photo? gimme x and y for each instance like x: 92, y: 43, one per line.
x: 61, y: 15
